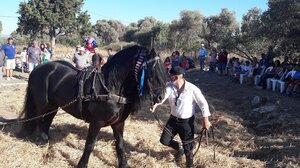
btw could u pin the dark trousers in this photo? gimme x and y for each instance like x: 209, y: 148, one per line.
x: 184, y: 128
x: 202, y: 63
x: 263, y: 80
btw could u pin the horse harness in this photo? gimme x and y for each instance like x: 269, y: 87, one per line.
x: 85, y: 74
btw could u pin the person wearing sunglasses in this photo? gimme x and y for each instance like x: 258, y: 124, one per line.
x: 182, y: 96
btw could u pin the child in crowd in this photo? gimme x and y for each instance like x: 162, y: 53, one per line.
x: 23, y: 58
x: 167, y: 64
x: 90, y: 44
x: 184, y: 62
x: 45, y: 53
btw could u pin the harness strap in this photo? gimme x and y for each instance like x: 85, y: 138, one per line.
x: 107, y: 97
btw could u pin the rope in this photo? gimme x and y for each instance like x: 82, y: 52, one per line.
x: 13, y: 121
x: 202, y: 132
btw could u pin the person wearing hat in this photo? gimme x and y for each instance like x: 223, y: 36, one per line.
x: 202, y: 55
x: 182, y: 96
x: 81, y: 59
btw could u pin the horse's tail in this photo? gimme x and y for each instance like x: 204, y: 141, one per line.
x: 29, y: 111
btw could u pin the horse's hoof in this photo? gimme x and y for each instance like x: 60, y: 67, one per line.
x: 42, y: 139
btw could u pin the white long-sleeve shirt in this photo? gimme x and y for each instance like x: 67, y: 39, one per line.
x: 184, y: 106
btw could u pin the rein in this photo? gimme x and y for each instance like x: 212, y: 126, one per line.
x: 15, y: 121
x: 203, y: 132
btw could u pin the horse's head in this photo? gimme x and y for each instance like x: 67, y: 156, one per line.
x: 152, y: 74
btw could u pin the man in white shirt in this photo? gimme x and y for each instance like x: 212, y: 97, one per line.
x: 182, y: 96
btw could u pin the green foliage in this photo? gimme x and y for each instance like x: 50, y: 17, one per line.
x: 161, y: 35
x: 221, y: 28
x: 21, y: 39
x: 278, y: 26
x: 249, y: 42
x: 282, y: 26
x: 109, y: 31
x: 52, y: 18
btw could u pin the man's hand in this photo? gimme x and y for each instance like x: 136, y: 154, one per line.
x: 206, y: 123
x: 152, y: 108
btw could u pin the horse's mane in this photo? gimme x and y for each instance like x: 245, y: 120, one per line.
x: 119, y: 74
x: 120, y: 64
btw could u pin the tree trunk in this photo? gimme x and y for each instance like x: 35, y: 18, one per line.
x: 52, y: 39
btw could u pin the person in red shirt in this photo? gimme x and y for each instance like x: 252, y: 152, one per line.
x: 222, y: 61
x: 167, y: 64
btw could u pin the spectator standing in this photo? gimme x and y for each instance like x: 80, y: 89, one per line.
x: 110, y: 54
x: 213, y: 60
x: 270, y: 55
x: 202, y: 55
x: 10, y: 52
x: 255, y: 65
x: 222, y: 61
x: 23, y: 58
x: 33, y: 58
x: 81, y: 59
x: 2, y: 61
x: 49, y: 49
x: 44, y: 53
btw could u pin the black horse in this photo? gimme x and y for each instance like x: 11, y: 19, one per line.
x: 102, y: 99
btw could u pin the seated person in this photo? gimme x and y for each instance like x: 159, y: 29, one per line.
x: 184, y: 63
x: 167, y: 64
x: 294, y: 83
x: 247, y: 71
x: 276, y: 70
x: 237, y: 69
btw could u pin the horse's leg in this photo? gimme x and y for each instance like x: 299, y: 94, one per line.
x: 89, y: 144
x: 48, y: 121
x: 118, y: 130
x: 44, y: 123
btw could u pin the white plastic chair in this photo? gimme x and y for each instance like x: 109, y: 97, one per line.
x: 257, y: 77
x: 282, y: 83
x: 274, y: 81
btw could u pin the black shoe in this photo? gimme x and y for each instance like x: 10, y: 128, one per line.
x: 189, y: 161
x: 179, y: 154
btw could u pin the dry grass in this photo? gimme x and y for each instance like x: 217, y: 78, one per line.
x: 236, y: 143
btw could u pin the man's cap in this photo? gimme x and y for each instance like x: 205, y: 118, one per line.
x: 177, y: 71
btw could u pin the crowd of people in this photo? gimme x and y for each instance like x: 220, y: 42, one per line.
x: 259, y: 73
x: 30, y: 57
x: 35, y: 54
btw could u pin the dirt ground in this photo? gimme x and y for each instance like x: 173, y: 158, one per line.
x: 245, y: 135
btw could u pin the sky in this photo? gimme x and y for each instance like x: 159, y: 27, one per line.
x: 133, y: 10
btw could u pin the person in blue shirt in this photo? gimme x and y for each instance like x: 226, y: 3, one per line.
x: 9, y: 50
x: 202, y: 55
